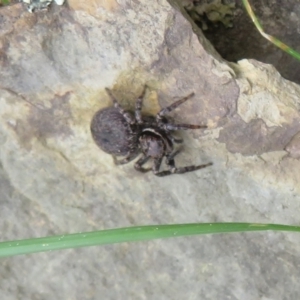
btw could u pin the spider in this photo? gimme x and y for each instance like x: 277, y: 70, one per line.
x: 123, y: 133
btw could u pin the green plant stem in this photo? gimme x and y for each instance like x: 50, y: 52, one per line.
x: 272, y: 39
x: 130, y: 234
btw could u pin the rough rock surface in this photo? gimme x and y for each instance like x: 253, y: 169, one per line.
x: 54, y: 180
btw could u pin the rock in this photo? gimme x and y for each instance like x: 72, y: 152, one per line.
x: 293, y: 147
x: 55, y: 180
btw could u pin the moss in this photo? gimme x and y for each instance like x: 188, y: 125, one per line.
x: 210, y: 12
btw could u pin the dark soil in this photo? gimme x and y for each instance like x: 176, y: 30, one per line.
x: 279, y: 18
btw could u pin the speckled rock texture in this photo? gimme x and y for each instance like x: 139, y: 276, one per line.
x: 54, y: 67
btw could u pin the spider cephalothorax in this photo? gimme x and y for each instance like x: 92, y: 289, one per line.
x: 124, y: 133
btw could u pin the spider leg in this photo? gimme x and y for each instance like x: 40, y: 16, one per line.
x: 170, y: 162
x: 138, y: 106
x: 173, y: 127
x: 128, y: 117
x: 156, y: 166
x: 140, y: 162
x: 129, y: 157
x: 190, y: 168
x: 176, y: 140
x: 172, y: 106
x: 173, y: 170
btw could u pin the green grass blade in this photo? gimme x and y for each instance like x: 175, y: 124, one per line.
x: 4, y: 2
x: 272, y: 39
x: 130, y: 234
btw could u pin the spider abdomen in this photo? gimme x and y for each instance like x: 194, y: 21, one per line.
x: 112, y: 133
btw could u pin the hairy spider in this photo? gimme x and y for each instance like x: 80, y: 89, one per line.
x: 124, y: 133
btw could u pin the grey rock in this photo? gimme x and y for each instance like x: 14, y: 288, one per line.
x: 55, y: 180
x: 293, y: 147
